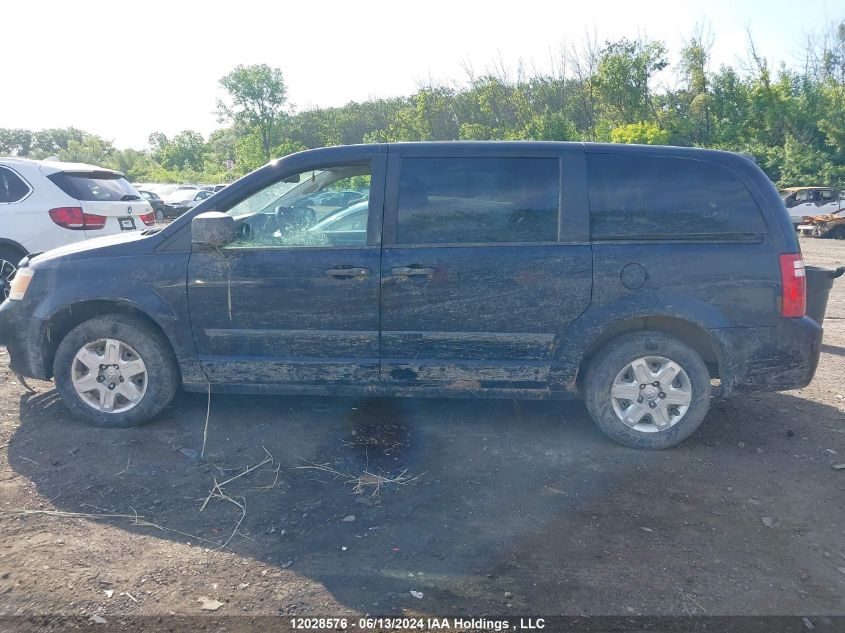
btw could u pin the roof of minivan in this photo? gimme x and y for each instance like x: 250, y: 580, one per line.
x: 55, y: 166
x: 516, y: 147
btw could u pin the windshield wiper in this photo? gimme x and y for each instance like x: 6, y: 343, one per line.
x: 129, y: 197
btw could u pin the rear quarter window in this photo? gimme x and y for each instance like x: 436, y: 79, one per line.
x: 12, y: 187
x: 656, y: 197
x: 95, y: 186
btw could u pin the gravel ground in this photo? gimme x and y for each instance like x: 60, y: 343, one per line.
x: 485, y: 507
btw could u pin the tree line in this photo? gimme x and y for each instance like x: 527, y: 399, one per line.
x: 790, y: 119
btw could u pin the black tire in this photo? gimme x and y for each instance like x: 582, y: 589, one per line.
x: 9, y: 255
x: 159, y: 215
x: 616, y: 356
x: 162, y: 372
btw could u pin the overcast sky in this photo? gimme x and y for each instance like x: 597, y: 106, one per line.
x: 123, y: 73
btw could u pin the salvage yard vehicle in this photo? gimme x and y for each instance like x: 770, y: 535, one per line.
x: 804, y: 202
x: 517, y: 270
x: 829, y: 225
x: 45, y: 204
x: 828, y: 219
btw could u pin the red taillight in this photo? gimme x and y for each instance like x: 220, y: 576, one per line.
x: 74, y: 219
x: 148, y: 218
x: 793, y: 284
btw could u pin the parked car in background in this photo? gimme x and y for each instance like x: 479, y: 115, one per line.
x: 530, y: 270
x: 45, y: 204
x: 166, y: 190
x: 337, y: 198
x: 156, y: 203
x: 803, y: 202
x: 182, y: 199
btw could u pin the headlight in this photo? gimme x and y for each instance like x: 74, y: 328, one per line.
x: 20, y: 283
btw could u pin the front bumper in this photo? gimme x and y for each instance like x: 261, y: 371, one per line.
x: 776, y: 358
x: 25, y: 339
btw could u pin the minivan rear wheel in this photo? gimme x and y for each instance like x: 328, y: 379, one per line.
x: 647, y: 390
x: 115, y: 371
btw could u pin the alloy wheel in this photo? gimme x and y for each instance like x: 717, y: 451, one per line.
x: 109, y: 376
x: 651, y: 394
x: 7, y: 272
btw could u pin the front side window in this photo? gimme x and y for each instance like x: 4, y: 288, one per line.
x: 654, y: 197
x: 478, y: 200
x: 306, y: 210
x: 12, y: 187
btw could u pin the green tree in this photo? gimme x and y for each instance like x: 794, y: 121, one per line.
x: 89, y: 149
x: 642, y: 132
x: 623, y: 80
x: 51, y: 142
x: 183, y: 151
x: 256, y: 96
x: 15, y: 142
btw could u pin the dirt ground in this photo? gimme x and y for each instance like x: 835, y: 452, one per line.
x: 496, y: 507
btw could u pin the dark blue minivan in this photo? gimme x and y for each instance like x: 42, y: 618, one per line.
x: 635, y: 277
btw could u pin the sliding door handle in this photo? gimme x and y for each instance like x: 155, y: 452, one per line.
x: 414, y: 270
x: 348, y: 272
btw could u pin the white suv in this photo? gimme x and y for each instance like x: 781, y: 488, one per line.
x: 45, y: 204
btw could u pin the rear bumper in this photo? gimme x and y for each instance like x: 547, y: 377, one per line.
x: 24, y: 338
x: 769, y: 358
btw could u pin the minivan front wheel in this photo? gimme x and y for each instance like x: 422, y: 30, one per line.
x: 647, y: 390
x: 115, y: 370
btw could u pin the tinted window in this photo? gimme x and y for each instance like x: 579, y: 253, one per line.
x: 12, y: 188
x: 94, y: 186
x: 654, y: 197
x: 473, y: 200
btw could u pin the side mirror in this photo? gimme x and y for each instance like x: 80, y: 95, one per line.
x: 213, y: 228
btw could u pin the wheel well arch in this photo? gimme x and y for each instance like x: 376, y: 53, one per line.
x: 694, y: 335
x: 68, y: 317
x: 5, y: 242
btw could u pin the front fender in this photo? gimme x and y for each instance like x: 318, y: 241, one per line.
x: 152, y: 284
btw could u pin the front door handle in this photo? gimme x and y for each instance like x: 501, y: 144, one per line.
x: 348, y: 272
x: 414, y: 270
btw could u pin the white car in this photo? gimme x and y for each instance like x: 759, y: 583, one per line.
x: 45, y: 204
x: 810, y: 201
